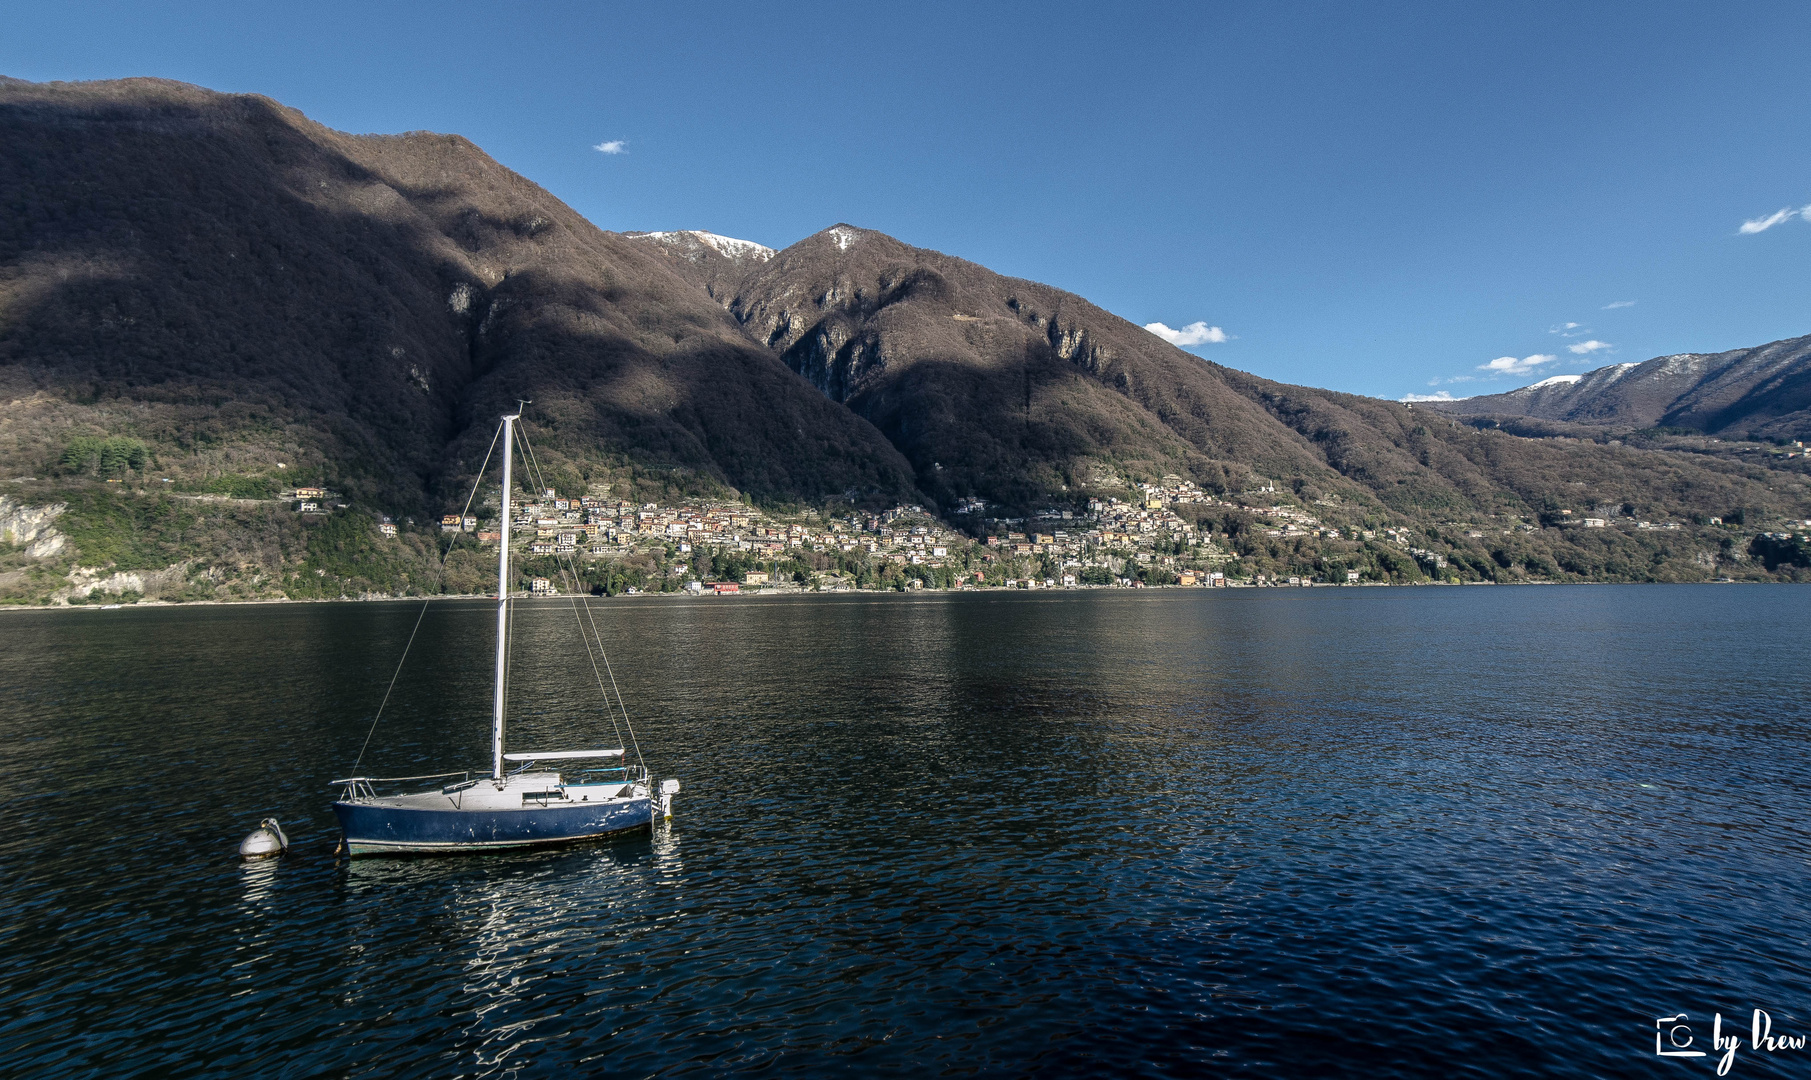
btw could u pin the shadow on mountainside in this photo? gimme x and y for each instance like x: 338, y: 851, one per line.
x: 237, y: 286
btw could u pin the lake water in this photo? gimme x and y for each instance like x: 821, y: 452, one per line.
x: 1382, y: 832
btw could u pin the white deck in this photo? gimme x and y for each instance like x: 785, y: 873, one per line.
x: 524, y: 789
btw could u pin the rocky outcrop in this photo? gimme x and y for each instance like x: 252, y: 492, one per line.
x: 30, y: 527
x: 1071, y: 342
x: 85, y: 582
x: 836, y: 358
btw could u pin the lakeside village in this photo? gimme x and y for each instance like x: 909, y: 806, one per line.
x: 1165, y: 534
x: 729, y: 547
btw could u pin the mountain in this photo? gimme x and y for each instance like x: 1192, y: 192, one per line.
x: 214, y: 292
x: 239, y: 286
x: 707, y: 259
x: 1024, y: 395
x: 994, y: 386
x: 1758, y: 393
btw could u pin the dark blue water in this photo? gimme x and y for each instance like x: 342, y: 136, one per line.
x: 1384, y: 832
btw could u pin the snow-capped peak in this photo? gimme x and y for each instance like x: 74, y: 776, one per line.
x: 727, y: 246
x: 1553, y: 380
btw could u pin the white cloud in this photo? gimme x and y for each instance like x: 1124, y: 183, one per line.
x: 1619, y: 304
x: 1509, y: 365
x: 1584, y: 348
x: 1195, y: 333
x: 614, y: 146
x: 1441, y: 396
x: 1762, y: 224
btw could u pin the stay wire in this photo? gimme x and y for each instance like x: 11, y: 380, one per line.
x: 636, y: 742
x: 570, y: 578
x: 595, y: 673
x: 569, y: 567
x: 366, y: 745
x: 392, y: 686
x: 476, y: 480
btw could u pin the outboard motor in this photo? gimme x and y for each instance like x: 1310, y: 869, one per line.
x: 668, y: 788
x: 264, y: 841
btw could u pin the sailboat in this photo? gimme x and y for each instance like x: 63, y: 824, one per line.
x: 523, y: 802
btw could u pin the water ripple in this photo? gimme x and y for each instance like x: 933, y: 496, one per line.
x: 1433, y: 832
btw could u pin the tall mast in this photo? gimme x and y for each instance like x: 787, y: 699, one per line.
x: 496, y: 716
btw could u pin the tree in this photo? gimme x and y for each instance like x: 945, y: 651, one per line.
x: 105, y: 458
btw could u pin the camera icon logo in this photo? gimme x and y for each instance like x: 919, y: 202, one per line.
x: 1673, y: 1037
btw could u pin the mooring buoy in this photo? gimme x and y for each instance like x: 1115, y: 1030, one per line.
x: 264, y: 841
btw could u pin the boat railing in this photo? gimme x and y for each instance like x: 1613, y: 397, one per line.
x: 627, y: 774
x: 358, y: 788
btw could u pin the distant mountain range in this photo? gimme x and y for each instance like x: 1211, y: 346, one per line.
x: 1758, y: 393
x: 256, y: 299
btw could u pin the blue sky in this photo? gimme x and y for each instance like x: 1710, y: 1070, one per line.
x: 1384, y: 199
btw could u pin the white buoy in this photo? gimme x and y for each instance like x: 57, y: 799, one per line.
x: 264, y: 841
x: 668, y: 788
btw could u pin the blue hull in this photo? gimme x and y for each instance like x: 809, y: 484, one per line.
x: 377, y: 829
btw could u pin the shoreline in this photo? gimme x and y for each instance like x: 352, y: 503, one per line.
x: 804, y: 593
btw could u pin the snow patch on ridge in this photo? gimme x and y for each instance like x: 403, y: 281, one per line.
x: 727, y: 246
x: 1602, y: 376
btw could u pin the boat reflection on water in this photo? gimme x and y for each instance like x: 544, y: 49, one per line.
x: 533, y: 932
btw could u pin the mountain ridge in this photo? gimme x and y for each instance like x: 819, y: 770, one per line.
x: 1762, y: 392
x: 228, y: 249
x: 858, y: 313
x: 255, y: 299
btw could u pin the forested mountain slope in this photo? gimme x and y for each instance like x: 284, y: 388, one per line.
x: 237, y: 286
